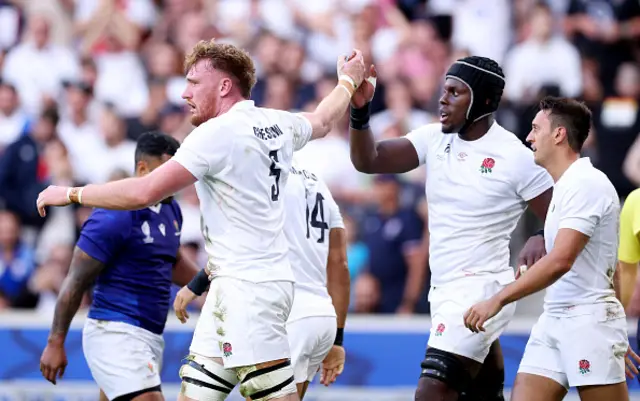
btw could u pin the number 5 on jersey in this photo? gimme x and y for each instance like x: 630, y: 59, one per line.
x: 274, y: 171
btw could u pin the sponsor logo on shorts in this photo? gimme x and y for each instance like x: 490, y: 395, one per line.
x: 487, y: 165
x: 439, y: 329
x: 584, y: 367
x: 226, y: 349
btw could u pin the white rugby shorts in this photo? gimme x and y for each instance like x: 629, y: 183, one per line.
x: 122, y: 358
x: 310, y: 340
x: 584, y: 348
x: 449, y: 303
x: 244, y: 323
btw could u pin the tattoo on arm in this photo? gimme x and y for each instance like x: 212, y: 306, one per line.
x: 82, y: 273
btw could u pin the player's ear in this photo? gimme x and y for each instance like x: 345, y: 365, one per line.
x: 559, y: 134
x: 225, y: 86
x: 142, y: 168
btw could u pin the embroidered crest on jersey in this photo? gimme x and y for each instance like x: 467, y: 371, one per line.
x: 487, y: 165
x: 227, y: 350
x: 146, y: 231
x: 440, y: 329
x: 584, y: 367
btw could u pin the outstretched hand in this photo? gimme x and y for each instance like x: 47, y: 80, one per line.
x: 364, y: 94
x: 52, y: 196
x: 353, y: 67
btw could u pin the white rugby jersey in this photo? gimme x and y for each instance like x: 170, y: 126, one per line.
x: 242, y: 161
x: 476, y: 193
x: 311, y: 215
x: 584, y: 200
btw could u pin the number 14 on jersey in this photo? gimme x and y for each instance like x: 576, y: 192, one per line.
x: 318, y: 210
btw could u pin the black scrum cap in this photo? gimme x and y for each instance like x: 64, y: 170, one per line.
x: 485, y: 81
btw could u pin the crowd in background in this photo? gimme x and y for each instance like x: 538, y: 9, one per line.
x: 80, y: 80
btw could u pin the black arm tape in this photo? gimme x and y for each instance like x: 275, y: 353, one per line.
x: 339, y: 337
x: 200, y: 283
x: 359, y: 118
x: 540, y: 232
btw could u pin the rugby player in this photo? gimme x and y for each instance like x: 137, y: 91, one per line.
x: 480, y: 180
x: 239, y: 156
x: 581, y: 338
x: 318, y: 253
x: 133, y: 257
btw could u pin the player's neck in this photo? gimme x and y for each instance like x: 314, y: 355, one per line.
x: 478, y: 129
x: 561, y: 164
x: 227, y: 103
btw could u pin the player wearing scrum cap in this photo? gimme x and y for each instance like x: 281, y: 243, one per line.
x: 480, y: 179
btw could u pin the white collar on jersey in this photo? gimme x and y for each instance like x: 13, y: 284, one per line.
x: 156, y: 208
x: 243, y: 104
x: 577, y: 165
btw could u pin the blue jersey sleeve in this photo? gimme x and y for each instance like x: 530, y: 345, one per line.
x: 104, y: 232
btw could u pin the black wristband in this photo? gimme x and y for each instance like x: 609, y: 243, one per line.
x: 540, y: 232
x: 359, y: 118
x: 200, y: 283
x: 339, y: 337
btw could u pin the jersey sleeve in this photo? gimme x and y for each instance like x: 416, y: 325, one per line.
x: 104, y: 233
x: 205, y: 150
x: 419, y: 138
x: 531, y: 179
x: 581, y: 208
x: 335, y: 217
x: 302, y: 130
x: 629, y: 247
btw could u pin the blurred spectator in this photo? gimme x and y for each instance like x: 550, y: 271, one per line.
x: 399, y: 110
x: 482, y: 26
x: 37, y: 67
x: 47, y: 280
x: 78, y: 130
x: 607, y: 31
x: 366, y: 291
x: 117, y: 152
x: 24, y: 170
x: 13, y: 120
x: 11, y: 21
x: 543, y: 59
x: 616, y: 126
x: 393, y: 235
x: 16, y: 265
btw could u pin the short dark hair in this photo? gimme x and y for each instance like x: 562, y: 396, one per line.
x: 156, y: 144
x: 571, y: 114
x: 51, y: 114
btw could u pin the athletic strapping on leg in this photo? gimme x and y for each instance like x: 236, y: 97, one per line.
x: 239, y: 156
x: 480, y: 179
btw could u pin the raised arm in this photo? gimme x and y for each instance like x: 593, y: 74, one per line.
x: 368, y: 156
x: 331, y: 108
